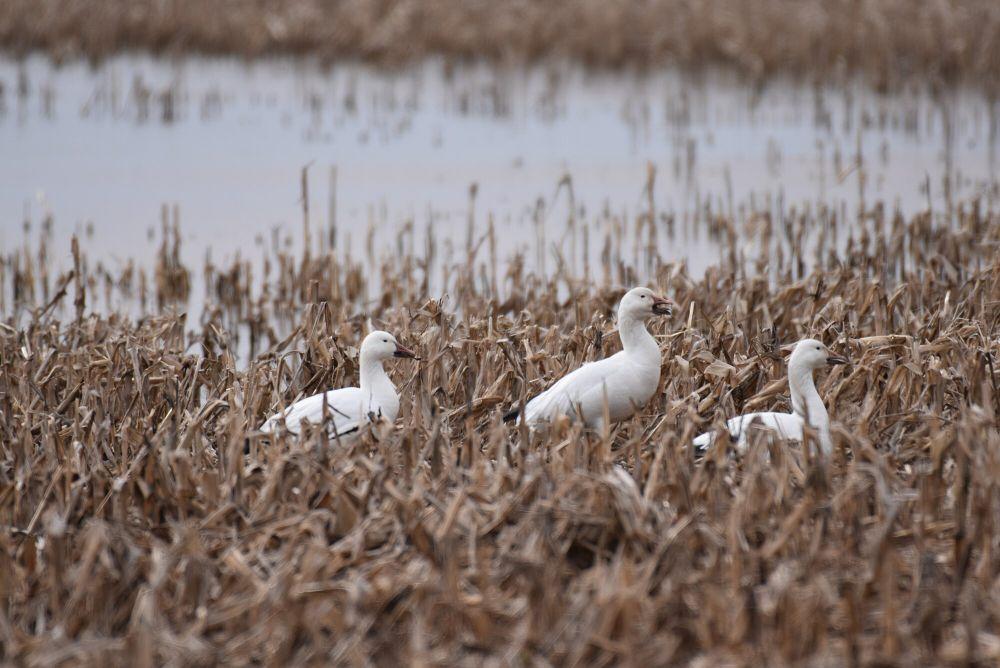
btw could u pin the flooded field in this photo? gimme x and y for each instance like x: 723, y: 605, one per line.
x: 146, y: 520
x: 100, y: 151
x: 189, y: 247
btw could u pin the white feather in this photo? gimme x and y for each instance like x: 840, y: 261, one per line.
x: 808, y: 356
x: 582, y: 393
x: 784, y: 426
x: 625, y: 381
x: 345, y: 410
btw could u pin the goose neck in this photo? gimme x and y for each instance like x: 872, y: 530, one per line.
x: 806, y: 402
x: 372, y: 373
x: 635, y: 337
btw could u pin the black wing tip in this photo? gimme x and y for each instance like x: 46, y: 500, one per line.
x: 353, y: 430
x: 512, y: 414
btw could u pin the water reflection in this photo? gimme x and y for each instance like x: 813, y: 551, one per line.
x: 227, y: 141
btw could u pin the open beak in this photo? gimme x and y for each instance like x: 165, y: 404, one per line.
x: 404, y: 352
x: 837, y: 359
x: 662, y: 306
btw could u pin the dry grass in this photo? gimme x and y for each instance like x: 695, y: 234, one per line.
x: 137, y: 531
x: 888, y: 40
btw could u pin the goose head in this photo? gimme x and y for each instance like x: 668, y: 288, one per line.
x: 643, y: 304
x: 379, y: 346
x: 812, y: 354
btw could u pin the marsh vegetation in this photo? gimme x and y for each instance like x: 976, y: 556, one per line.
x: 139, y: 523
x: 189, y: 245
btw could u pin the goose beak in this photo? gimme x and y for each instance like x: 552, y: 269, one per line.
x: 837, y: 359
x: 662, y: 306
x: 405, y: 352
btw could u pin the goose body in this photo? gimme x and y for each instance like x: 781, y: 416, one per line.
x: 347, y: 409
x: 807, y: 405
x: 626, y: 381
x: 785, y: 426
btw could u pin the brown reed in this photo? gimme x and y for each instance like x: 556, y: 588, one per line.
x: 144, y: 523
x: 889, y: 40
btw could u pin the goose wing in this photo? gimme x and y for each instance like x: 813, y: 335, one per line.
x: 564, y: 396
x: 786, y: 426
x: 344, y: 410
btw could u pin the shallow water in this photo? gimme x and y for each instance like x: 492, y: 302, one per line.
x: 100, y: 150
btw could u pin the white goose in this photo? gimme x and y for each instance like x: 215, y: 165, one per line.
x: 626, y: 380
x: 347, y: 409
x: 809, y: 355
